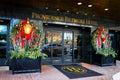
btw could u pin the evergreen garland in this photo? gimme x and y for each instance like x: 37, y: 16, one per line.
x: 102, y: 51
x: 32, y: 42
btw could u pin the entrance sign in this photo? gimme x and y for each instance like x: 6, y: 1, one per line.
x: 45, y: 17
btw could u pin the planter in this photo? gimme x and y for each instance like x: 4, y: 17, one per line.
x: 103, y: 61
x: 25, y: 65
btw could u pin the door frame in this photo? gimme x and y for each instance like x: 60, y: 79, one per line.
x: 4, y: 60
x: 63, y: 46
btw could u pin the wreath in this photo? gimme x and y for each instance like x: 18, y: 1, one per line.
x: 101, y: 43
x: 26, y: 40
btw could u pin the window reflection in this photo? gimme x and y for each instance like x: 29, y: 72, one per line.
x: 3, y: 40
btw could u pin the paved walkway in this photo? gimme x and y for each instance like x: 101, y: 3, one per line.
x: 51, y: 73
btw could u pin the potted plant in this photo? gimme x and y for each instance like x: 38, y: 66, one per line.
x: 26, y: 40
x: 103, y: 53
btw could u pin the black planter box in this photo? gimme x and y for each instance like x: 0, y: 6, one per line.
x: 103, y: 61
x: 25, y: 65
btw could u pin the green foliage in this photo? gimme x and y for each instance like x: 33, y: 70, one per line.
x: 32, y: 54
x: 106, y: 52
x: 31, y: 49
x: 102, y: 51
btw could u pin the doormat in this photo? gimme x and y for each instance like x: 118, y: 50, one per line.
x: 76, y: 71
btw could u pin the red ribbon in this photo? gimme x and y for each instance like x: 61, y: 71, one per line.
x: 23, y: 37
x: 22, y: 43
x: 99, y: 41
x: 100, y: 30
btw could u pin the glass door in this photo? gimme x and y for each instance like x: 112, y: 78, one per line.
x: 68, y: 47
x: 53, y: 47
x: 3, y: 43
x: 57, y: 47
x: 77, y: 47
x: 115, y: 42
x: 62, y: 47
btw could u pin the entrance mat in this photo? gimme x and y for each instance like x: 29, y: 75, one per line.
x: 76, y: 71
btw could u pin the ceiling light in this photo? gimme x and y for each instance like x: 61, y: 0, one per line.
x: 77, y: 12
x: 86, y: 14
x: 106, y: 9
x: 46, y: 7
x: 68, y: 11
x: 58, y: 9
x: 90, y: 5
x: 79, y: 3
x: 93, y: 15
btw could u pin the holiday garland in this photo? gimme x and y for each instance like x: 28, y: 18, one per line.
x: 26, y: 45
x: 101, y: 43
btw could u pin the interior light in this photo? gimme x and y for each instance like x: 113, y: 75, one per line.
x: 106, y: 9
x: 46, y: 7
x: 93, y: 15
x: 3, y: 40
x: 79, y: 3
x: 90, y: 5
x: 77, y: 12
x: 58, y: 9
x: 68, y: 11
x: 86, y: 14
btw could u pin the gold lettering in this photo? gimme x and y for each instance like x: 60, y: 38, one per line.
x: 35, y: 15
x: 88, y: 22
x: 68, y: 19
x: 82, y: 21
x: 43, y: 17
x: 91, y: 22
x: 63, y: 19
x: 56, y: 18
x: 75, y: 20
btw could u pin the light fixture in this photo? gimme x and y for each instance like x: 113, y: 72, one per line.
x: 86, y: 14
x: 79, y: 3
x: 3, y: 40
x: 89, y: 5
x: 58, y: 9
x: 27, y: 27
x: 106, y: 9
x: 93, y: 15
x: 46, y: 7
x: 77, y: 12
x: 68, y: 11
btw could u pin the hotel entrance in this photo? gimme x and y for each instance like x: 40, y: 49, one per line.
x: 62, y: 45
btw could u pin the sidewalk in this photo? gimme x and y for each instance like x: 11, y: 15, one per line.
x: 51, y: 73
